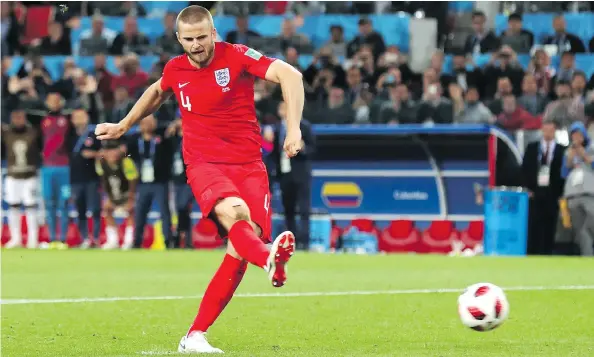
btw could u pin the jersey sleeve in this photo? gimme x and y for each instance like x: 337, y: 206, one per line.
x: 98, y: 168
x: 129, y: 169
x: 252, y: 61
x: 166, y: 77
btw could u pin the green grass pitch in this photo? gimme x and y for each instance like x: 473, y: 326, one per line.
x: 401, y: 316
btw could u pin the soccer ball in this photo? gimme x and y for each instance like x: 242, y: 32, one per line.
x: 483, y: 307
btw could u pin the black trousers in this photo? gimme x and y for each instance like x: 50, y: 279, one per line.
x: 542, y: 224
x: 296, y: 198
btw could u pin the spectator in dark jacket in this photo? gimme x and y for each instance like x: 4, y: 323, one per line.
x: 482, y: 40
x: 503, y: 64
x: 168, y: 42
x: 565, y: 41
x: 11, y: 30
x: 534, y: 102
x: 130, y: 41
x: 243, y: 34
x: 58, y: 41
x: 366, y: 36
x: 515, y: 36
x: 335, y: 111
x: 434, y: 108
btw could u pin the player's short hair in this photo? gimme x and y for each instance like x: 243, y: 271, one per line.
x: 194, y: 14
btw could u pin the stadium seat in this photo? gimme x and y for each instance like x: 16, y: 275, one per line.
x: 400, y: 237
x: 473, y: 234
x: 438, y: 237
x: 365, y: 226
x: 205, y: 235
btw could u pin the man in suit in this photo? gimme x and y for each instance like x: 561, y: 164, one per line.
x: 294, y: 176
x: 541, y: 172
x: 242, y: 35
x: 565, y: 41
x: 482, y: 40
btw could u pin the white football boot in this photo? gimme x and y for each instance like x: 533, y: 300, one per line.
x: 281, y: 251
x: 196, y: 342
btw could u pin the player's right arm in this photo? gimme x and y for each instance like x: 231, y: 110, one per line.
x: 148, y: 103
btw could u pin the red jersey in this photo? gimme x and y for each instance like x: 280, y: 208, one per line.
x: 55, y: 129
x: 217, y: 104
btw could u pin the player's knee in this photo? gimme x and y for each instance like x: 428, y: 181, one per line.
x: 231, y: 210
x: 232, y: 252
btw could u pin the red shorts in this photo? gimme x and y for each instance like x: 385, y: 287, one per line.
x: 211, y: 183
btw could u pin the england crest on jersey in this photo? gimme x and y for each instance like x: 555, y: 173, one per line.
x: 222, y: 76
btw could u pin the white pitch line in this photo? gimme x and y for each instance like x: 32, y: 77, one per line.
x: 272, y: 295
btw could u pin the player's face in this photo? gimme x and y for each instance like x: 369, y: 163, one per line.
x: 198, y: 40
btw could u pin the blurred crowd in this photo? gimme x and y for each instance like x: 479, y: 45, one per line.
x: 373, y: 84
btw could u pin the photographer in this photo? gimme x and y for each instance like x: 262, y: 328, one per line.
x: 578, y: 170
x: 323, y: 61
x: 503, y: 63
x: 33, y: 77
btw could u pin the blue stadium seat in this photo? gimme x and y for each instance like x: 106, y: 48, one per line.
x: 461, y: 6
x: 580, y: 24
x: 161, y: 7
x: 393, y: 27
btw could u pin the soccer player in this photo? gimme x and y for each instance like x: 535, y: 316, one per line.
x: 119, y: 178
x: 214, y: 82
x: 20, y: 140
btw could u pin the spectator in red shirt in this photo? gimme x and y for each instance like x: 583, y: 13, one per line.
x: 515, y: 117
x: 132, y: 78
x: 104, y: 80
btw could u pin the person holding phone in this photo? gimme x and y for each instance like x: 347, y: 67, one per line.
x: 578, y: 170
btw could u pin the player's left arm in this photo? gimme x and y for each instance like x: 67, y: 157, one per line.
x: 291, y: 82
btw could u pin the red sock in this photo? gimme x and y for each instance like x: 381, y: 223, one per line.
x: 219, y: 292
x: 247, y: 244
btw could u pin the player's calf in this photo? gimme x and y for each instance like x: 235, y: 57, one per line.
x: 233, y: 215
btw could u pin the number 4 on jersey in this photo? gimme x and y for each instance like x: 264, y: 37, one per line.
x: 185, y: 101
